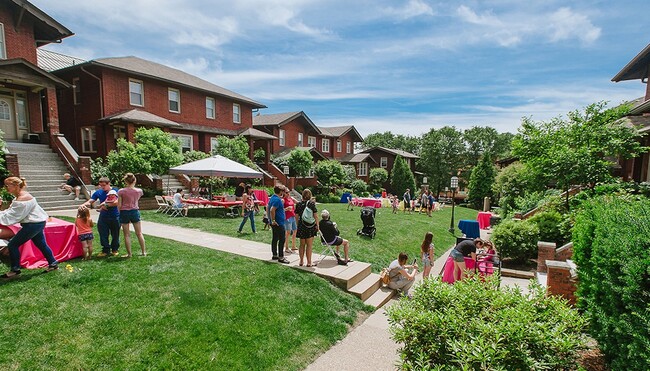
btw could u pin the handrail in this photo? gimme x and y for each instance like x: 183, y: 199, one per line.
x: 75, y: 156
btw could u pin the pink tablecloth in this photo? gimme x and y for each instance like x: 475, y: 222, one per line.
x: 368, y: 201
x: 483, y: 219
x: 484, y: 267
x: 262, y: 196
x: 60, y: 235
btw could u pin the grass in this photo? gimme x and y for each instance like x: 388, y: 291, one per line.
x: 182, y: 307
x: 395, y: 232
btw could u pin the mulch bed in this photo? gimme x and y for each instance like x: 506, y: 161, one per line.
x: 593, y: 360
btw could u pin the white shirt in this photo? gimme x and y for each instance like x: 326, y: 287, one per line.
x: 23, y: 212
x: 178, y: 200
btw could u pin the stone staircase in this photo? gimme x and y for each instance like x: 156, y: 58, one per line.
x: 43, y: 170
x: 171, y: 184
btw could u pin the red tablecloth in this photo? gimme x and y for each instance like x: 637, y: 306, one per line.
x: 484, y: 267
x: 60, y: 235
x: 483, y: 219
x: 262, y: 196
x: 368, y: 201
x: 229, y: 204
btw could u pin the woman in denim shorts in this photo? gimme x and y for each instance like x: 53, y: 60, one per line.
x: 128, y: 198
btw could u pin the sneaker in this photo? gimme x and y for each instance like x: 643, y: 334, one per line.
x: 76, y: 198
x: 102, y: 255
x: 51, y: 268
x: 274, y: 258
x: 115, y: 253
x: 283, y: 260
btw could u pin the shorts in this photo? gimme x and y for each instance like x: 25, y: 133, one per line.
x: 457, y: 256
x: 129, y: 216
x: 86, y: 237
x: 426, y: 262
x: 407, y: 204
x: 290, y: 224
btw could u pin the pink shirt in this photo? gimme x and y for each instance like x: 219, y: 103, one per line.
x: 130, y: 197
x: 288, y: 202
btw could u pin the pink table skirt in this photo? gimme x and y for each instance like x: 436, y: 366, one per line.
x: 261, y: 196
x: 485, y: 267
x: 483, y: 219
x: 370, y: 202
x: 60, y: 235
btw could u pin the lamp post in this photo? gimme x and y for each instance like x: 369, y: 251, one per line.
x: 453, y: 186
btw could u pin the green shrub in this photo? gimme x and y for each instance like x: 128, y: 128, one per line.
x: 299, y: 188
x: 516, y: 239
x: 551, y: 227
x: 610, y: 240
x: 359, y: 187
x: 473, y: 326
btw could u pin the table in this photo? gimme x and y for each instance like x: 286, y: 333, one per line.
x: 469, y: 228
x: 262, y: 196
x: 485, y: 267
x: 369, y: 202
x: 60, y: 235
x: 483, y: 219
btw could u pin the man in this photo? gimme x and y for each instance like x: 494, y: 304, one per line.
x: 407, y: 201
x: 108, y: 222
x: 331, y: 237
x: 72, y: 185
x: 277, y: 219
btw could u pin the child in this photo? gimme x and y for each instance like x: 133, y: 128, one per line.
x: 395, y: 204
x: 427, y: 250
x: 84, y: 226
x: 111, y: 197
x: 265, y: 219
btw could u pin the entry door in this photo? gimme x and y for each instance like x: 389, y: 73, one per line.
x: 7, y: 118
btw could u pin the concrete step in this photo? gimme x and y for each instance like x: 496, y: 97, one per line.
x: 380, y: 297
x: 15, y: 147
x: 65, y: 204
x: 355, y: 273
x: 366, y: 287
x: 517, y: 273
x: 42, y: 198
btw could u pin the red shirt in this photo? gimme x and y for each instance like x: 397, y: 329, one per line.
x: 289, y: 207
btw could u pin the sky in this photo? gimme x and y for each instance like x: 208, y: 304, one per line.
x: 404, y: 66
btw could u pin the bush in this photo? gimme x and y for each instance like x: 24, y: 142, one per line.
x: 471, y: 325
x: 259, y: 155
x: 516, y: 239
x: 359, y: 187
x: 610, y: 240
x: 551, y: 225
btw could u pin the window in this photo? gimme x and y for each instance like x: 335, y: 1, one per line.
x: 311, y: 142
x: 5, y: 110
x: 325, y: 145
x: 209, y: 108
x: 236, y: 113
x: 119, y: 131
x: 383, y: 162
x: 312, y: 173
x: 174, y: 100
x: 214, y: 143
x: 281, y: 135
x: 186, y: 142
x: 363, y: 168
x: 3, y: 46
x: 339, y: 146
x: 88, y: 139
x: 76, y: 92
x: 348, y: 148
x: 136, y: 93
x: 300, y: 138
x: 21, y: 112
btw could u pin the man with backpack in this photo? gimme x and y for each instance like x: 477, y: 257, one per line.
x: 277, y: 219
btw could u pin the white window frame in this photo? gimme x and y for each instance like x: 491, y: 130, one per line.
x: 282, y: 137
x: 363, y: 169
x: 311, y: 142
x: 141, y: 93
x: 325, y: 145
x: 76, y: 91
x: 312, y: 173
x: 348, y: 147
x: 301, y: 138
x: 5, y: 112
x: 383, y: 162
x: 339, y: 146
x: 89, y: 134
x: 236, y: 113
x: 214, y: 108
x: 179, y: 136
x: 22, y: 122
x: 170, y: 101
x: 214, y: 144
x: 3, y: 43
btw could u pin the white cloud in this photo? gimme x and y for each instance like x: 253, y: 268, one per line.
x: 566, y: 24
x: 486, y: 19
x: 414, y: 8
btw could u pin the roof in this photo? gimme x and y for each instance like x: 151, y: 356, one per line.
x: 46, y: 28
x: 339, y: 131
x: 140, y: 117
x: 395, y: 152
x: 639, y: 106
x: 641, y: 123
x: 19, y: 79
x: 51, y: 61
x: 208, y: 129
x: 356, y: 158
x: 161, y: 72
x: 256, y: 134
x: 279, y: 119
x: 287, y: 151
x: 637, y: 68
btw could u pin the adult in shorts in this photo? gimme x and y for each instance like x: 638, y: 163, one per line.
x: 72, y: 185
x: 466, y: 248
x: 128, y: 203
x: 331, y: 236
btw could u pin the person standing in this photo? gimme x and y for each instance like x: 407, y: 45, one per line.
x: 427, y: 251
x: 407, y: 201
x: 248, y: 208
x: 128, y: 203
x: 108, y: 223
x: 307, y: 216
x: 277, y: 219
x: 32, y: 218
x: 466, y: 248
x: 290, y: 225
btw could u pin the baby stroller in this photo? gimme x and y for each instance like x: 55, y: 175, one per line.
x: 368, y: 219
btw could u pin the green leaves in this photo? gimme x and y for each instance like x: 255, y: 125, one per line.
x: 516, y: 239
x: 330, y: 173
x: 401, y: 177
x: 480, y: 182
x: 300, y: 162
x: 235, y: 149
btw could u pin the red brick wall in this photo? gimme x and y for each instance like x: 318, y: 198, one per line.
x: 559, y: 281
x: 35, y: 112
x: 344, y: 139
x: 20, y: 42
x: 545, y: 251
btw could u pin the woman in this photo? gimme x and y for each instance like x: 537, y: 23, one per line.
x: 307, y: 226
x: 466, y: 248
x: 25, y: 210
x: 427, y: 250
x: 290, y: 225
x: 400, y: 278
x: 128, y: 204
x: 248, y: 208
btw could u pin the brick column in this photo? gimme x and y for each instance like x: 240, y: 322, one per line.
x: 52, y: 112
x: 559, y: 280
x: 12, y: 164
x: 84, y: 169
x: 194, y: 186
x: 545, y: 251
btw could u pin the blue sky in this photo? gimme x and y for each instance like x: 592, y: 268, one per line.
x: 402, y: 65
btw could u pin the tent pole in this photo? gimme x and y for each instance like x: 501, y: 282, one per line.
x: 167, y: 184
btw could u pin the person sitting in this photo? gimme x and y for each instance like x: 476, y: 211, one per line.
x: 331, y: 237
x: 400, y: 278
x: 72, y: 185
x: 466, y: 248
x: 178, y: 202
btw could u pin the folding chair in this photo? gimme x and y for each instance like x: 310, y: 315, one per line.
x: 174, y: 211
x: 162, y: 205
x: 326, y: 248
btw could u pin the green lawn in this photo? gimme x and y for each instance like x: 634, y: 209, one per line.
x: 395, y: 232
x: 182, y: 307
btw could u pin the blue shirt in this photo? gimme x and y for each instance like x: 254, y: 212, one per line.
x: 100, y: 195
x: 276, y: 202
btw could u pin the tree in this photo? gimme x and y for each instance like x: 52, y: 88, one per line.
x: 158, y: 148
x: 480, y: 140
x: 577, y: 151
x: 401, y: 177
x: 235, y: 149
x: 191, y: 156
x: 512, y: 182
x: 330, y: 172
x: 441, y: 156
x: 350, y: 174
x: 480, y: 182
x: 300, y: 161
x: 389, y: 140
x: 359, y: 187
x: 378, y: 177
x: 126, y: 159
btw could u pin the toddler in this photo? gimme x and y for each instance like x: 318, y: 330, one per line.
x: 265, y: 219
x: 84, y: 226
x: 111, y: 197
x: 395, y: 204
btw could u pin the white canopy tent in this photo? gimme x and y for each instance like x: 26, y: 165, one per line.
x: 216, y: 166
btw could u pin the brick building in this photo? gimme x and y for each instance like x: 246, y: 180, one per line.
x: 378, y: 157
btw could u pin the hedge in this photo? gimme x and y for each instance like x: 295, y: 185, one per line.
x: 516, y: 239
x: 611, y: 241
